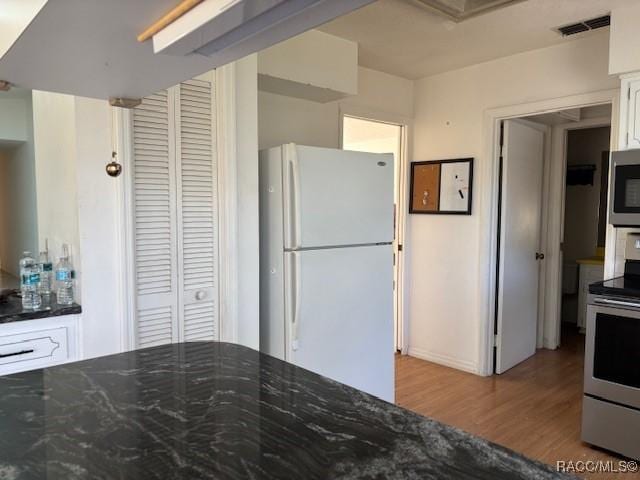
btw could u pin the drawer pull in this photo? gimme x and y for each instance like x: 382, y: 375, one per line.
x: 21, y: 352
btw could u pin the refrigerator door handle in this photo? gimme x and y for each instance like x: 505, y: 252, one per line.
x: 294, y: 197
x: 295, y: 326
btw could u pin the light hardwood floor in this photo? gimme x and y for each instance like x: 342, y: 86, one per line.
x: 534, y: 408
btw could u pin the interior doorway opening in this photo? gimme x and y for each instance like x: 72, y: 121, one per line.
x: 585, y: 220
x: 375, y: 136
x: 544, y: 232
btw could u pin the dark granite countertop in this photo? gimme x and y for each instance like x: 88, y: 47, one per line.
x: 11, y: 309
x: 218, y: 410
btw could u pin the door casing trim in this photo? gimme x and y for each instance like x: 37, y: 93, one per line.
x: 488, y: 205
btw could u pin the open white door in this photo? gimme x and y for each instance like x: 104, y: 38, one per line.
x: 519, y: 265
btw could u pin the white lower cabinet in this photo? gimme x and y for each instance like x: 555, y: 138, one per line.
x: 32, y: 344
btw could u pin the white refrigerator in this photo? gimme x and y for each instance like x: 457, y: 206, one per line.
x: 326, y: 263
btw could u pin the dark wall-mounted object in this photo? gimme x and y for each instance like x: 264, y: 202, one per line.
x: 443, y: 187
x: 580, y: 174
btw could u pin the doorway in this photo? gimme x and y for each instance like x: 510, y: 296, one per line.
x: 375, y: 136
x: 527, y: 308
x: 585, y: 220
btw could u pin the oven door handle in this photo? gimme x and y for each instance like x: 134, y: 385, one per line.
x: 619, y: 303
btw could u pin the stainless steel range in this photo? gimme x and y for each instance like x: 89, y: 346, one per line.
x: 611, y: 404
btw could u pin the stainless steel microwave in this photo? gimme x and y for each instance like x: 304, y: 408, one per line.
x: 624, y: 204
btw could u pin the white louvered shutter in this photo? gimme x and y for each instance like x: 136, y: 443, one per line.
x: 155, y: 221
x: 197, y: 200
x: 175, y: 215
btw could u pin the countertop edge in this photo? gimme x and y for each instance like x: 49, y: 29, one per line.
x: 55, y: 311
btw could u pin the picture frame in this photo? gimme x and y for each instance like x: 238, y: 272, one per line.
x: 441, y: 187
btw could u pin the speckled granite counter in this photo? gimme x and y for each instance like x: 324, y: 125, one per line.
x: 216, y: 410
x: 11, y: 310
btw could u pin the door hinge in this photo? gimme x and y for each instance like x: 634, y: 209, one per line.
x: 495, y: 340
x: 399, y: 247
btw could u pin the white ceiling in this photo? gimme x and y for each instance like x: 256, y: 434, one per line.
x: 402, y: 38
x: 15, y: 16
x: 461, y: 9
x: 89, y: 48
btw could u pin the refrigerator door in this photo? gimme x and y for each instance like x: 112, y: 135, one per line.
x: 336, y: 197
x: 339, y: 313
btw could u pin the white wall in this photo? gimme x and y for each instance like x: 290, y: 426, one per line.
x: 99, y: 228
x: 18, y: 207
x: 286, y: 119
x: 14, y: 119
x: 443, y: 251
x: 78, y: 204
x: 246, y: 90
x: 54, y: 129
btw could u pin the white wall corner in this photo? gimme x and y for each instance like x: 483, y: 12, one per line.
x: 99, y: 228
x: 248, y: 243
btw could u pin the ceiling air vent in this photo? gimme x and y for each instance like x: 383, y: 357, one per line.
x: 599, y: 22
x: 459, y: 10
x: 585, y: 25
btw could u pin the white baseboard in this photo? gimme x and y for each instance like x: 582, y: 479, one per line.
x: 447, y: 361
x: 549, y: 345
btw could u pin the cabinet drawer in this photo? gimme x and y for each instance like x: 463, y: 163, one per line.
x: 34, y: 349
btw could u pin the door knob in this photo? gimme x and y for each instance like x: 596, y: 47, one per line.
x: 539, y: 256
x: 200, y: 295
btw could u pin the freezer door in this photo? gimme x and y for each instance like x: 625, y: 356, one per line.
x: 336, y: 197
x: 340, y: 315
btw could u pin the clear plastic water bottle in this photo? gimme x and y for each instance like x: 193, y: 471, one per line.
x: 29, y: 281
x: 64, y: 278
x: 45, y: 268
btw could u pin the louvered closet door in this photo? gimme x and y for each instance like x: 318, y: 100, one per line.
x: 154, y: 215
x: 197, y: 213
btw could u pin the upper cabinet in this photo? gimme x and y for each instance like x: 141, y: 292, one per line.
x: 630, y: 111
x: 313, y: 66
